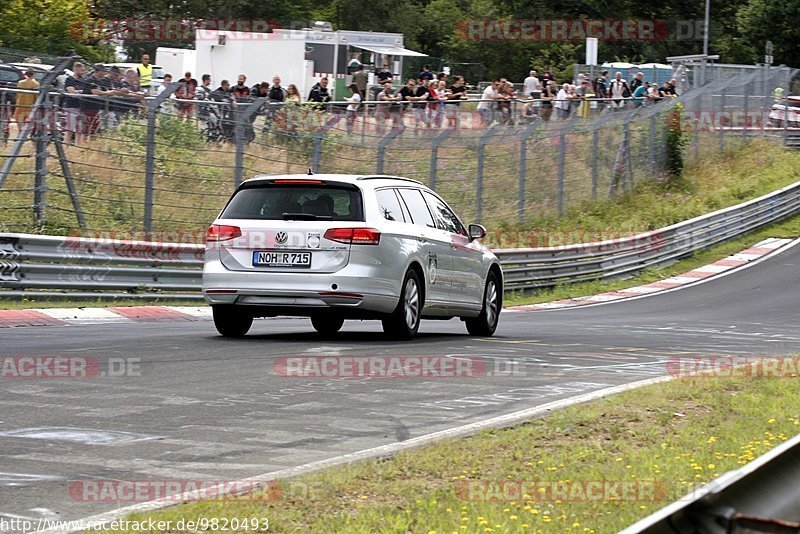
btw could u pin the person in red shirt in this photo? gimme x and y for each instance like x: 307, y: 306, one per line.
x: 187, y: 90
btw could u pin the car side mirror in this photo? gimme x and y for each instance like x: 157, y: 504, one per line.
x: 476, y: 231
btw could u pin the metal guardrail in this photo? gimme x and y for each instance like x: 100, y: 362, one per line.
x: 74, y: 267
x: 544, y: 267
x: 762, y: 496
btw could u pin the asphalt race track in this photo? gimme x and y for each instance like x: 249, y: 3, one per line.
x: 194, y: 406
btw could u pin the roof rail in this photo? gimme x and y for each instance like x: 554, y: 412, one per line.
x: 385, y: 177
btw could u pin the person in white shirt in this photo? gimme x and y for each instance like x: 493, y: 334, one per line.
x: 563, y: 102
x: 530, y: 84
x: 618, y: 90
x: 486, y: 105
x: 352, y: 107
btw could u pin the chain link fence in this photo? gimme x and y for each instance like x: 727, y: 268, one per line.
x: 135, y: 166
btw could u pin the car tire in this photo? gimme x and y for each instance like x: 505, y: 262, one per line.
x: 404, y: 321
x: 231, y: 321
x: 486, y: 323
x: 327, y: 325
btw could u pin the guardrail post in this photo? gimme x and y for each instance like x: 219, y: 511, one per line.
x: 722, y: 130
x: 479, y: 183
x: 523, y: 166
x: 562, y: 149
x: 73, y: 192
x: 595, y: 164
x: 319, y: 136
x: 652, y: 143
x: 435, y: 144
x: 42, y: 137
x: 242, y: 117
x: 150, y: 155
x: 746, y: 92
x: 382, y: 144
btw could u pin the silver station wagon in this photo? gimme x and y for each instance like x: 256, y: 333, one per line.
x: 335, y: 247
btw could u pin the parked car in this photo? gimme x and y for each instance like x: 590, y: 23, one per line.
x: 10, y: 76
x: 788, y: 110
x: 335, y: 247
x: 39, y: 70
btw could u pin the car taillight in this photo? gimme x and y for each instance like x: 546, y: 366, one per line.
x: 355, y: 236
x: 222, y: 232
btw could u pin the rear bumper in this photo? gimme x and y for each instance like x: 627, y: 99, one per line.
x: 354, y: 291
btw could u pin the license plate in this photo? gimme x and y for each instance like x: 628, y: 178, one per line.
x: 281, y: 259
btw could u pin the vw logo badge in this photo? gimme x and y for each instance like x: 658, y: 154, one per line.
x: 280, y: 238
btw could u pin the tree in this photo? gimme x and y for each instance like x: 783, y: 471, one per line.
x: 50, y: 26
x: 777, y: 21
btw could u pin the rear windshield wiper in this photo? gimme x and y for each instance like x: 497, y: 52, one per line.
x: 306, y: 217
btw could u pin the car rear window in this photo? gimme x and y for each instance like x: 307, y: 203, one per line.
x: 272, y: 201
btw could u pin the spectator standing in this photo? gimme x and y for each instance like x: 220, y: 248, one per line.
x: 276, y: 96
x: 547, y: 77
x: 586, y: 93
x: 107, y: 87
x: 260, y: 90
x: 390, y: 107
x: 486, y: 105
x: 293, y: 115
x: 293, y: 95
x: 385, y: 75
x: 436, y: 106
x: 549, y: 94
x: 640, y: 94
x: 530, y: 84
x: 425, y: 73
x: 411, y: 93
x: 166, y: 105
x: 360, y: 80
x: 240, y: 91
x: 25, y: 101
x: 319, y: 93
x: 276, y: 92
x: 354, y: 102
x: 562, y: 102
x: 637, y: 81
x: 618, y: 91
x: 204, y: 95
x: 507, y: 95
x: 187, y: 90
x: 73, y: 105
x: 224, y: 88
x: 145, y: 73
x: 601, y: 90
x: 455, y: 95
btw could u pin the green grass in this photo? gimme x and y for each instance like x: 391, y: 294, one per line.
x: 717, y: 181
x: 671, y: 437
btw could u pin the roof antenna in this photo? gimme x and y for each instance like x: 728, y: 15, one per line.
x: 310, y: 172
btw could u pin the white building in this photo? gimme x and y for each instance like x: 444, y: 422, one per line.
x: 300, y: 57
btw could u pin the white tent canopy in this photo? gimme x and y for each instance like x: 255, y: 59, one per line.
x: 388, y: 50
